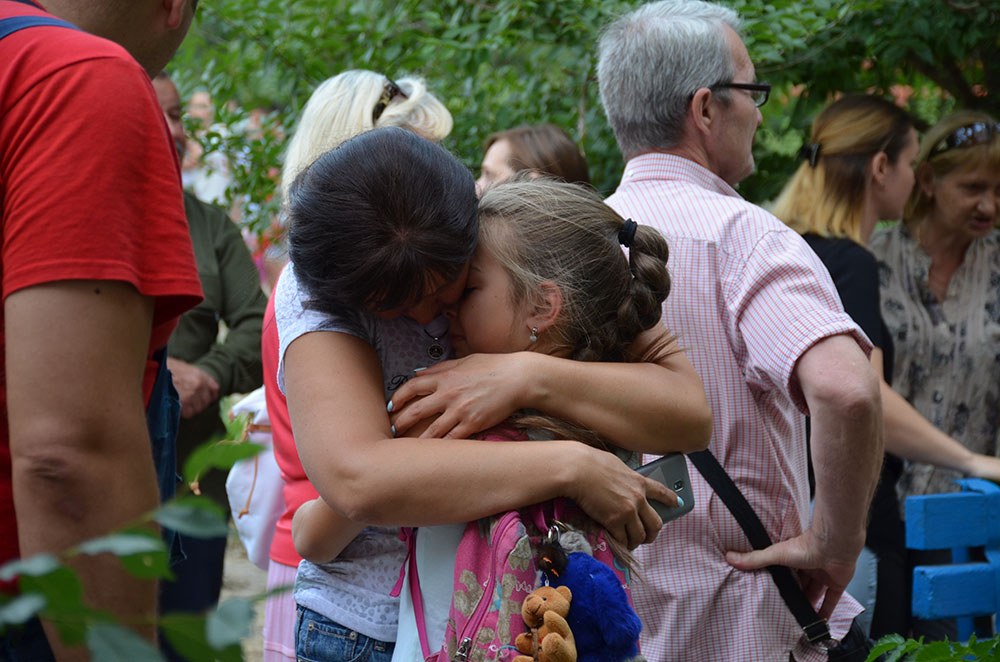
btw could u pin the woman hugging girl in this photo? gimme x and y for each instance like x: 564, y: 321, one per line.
x: 548, y: 282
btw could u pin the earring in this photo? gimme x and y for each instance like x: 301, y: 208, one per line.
x: 534, y: 334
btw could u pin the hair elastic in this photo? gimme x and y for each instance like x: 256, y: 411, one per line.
x: 389, y: 92
x: 810, y: 153
x: 627, y: 234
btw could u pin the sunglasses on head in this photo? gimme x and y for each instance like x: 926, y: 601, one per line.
x: 977, y: 133
x: 389, y: 92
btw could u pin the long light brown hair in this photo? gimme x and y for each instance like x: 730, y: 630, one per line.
x: 827, y: 194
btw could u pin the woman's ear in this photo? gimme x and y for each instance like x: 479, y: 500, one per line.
x: 547, y: 307
x: 879, y: 168
x: 925, y: 179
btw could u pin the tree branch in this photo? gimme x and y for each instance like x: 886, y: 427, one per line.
x: 949, y: 77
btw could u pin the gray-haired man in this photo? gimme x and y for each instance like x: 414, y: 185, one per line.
x: 764, y: 328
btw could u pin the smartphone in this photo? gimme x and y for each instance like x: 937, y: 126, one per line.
x: 672, y: 471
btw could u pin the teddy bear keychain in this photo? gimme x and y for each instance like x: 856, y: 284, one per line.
x: 600, y: 617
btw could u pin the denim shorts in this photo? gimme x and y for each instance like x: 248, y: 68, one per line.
x: 318, y: 639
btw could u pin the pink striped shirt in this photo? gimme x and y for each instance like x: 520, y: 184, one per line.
x: 749, y: 298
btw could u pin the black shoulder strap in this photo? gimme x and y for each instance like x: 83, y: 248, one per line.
x: 815, y: 627
x: 9, y: 26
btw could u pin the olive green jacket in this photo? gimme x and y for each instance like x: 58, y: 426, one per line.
x: 231, y: 284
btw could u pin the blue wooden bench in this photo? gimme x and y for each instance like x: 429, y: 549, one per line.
x: 957, y: 521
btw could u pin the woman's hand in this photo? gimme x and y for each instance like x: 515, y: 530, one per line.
x: 615, y: 496
x: 984, y: 466
x: 467, y: 395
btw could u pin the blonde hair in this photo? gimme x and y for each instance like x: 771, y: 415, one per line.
x: 954, y: 159
x: 342, y: 107
x: 826, y: 195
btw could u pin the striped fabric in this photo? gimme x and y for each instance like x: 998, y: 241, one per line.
x: 749, y: 298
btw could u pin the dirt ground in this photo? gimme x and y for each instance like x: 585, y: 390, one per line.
x: 243, y: 579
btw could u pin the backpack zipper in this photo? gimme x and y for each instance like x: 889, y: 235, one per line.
x: 465, y: 642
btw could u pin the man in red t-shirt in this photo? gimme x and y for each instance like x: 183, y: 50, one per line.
x: 96, y: 266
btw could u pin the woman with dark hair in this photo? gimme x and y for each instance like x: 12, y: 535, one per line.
x: 544, y: 149
x: 382, y: 230
x: 857, y: 170
x: 939, y: 270
x: 339, y: 108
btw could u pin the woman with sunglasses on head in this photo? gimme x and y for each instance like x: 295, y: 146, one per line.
x: 938, y: 272
x: 857, y: 170
x: 340, y: 108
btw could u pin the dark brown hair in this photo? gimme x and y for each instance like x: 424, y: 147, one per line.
x: 378, y: 219
x: 545, y: 149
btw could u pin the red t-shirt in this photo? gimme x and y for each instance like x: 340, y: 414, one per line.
x: 297, y: 488
x: 89, y: 187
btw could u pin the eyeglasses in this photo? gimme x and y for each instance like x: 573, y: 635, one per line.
x: 759, y: 92
x: 389, y: 92
x: 969, y: 135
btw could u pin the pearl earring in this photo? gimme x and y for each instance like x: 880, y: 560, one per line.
x: 534, y: 334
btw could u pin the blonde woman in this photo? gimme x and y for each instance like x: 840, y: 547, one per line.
x: 341, y: 107
x: 939, y: 272
x: 857, y: 170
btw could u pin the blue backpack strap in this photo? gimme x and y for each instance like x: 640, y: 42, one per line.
x: 9, y: 26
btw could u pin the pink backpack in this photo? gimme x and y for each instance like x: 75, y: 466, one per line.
x: 496, y: 567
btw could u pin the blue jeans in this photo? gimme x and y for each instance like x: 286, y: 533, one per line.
x: 318, y: 639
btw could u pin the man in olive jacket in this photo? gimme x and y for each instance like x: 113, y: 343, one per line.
x: 205, y: 369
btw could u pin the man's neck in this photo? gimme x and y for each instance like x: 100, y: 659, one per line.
x: 693, y: 153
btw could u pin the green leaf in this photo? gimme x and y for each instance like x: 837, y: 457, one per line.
x: 108, y: 642
x: 153, y: 565
x: 122, y: 544
x: 228, y: 624
x: 39, y: 564
x: 20, y: 609
x: 217, y: 455
x: 64, y: 606
x: 937, y: 651
x: 61, y: 587
x: 186, y: 633
x: 194, y: 516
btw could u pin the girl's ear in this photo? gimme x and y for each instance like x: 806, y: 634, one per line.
x: 547, y: 308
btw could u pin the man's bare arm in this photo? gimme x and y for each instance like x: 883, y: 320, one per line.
x: 80, y: 450
x: 842, y: 392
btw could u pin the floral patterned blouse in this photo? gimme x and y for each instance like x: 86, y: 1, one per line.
x: 947, y: 353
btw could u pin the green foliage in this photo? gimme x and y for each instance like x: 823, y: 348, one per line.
x: 187, y: 633
x: 502, y: 63
x: 217, y: 456
x: 108, y: 642
x: 897, y: 649
x: 192, y: 516
x: 50, y: 589
x: 228, y: 624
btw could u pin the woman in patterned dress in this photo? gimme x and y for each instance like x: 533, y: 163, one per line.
x: 939, y: 276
